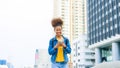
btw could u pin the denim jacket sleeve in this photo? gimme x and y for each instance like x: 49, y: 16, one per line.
x: 68, y: 48
x: 51, y: 49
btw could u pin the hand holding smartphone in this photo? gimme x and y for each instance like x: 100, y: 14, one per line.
x: 60, y: 42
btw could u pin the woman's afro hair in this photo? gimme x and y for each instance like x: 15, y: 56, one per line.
x: 56, y: 22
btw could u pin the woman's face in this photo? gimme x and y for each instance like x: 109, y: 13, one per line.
x: 58, y: 30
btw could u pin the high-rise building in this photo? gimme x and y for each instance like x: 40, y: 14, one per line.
x: 104, y: 29
x: 78, y: 18
x: 61, y: 9
x: 83, y: 57
x: 73, y: 13
x: 42, y: 59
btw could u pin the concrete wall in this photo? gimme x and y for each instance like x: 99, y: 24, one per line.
x: 115, y: 64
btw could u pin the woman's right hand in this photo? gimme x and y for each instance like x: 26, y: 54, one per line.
x: 56, y: 46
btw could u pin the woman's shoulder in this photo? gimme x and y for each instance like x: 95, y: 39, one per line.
x: 65, y: 37
x: 53, y: 38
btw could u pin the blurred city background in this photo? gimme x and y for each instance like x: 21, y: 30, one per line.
x: 92, y: 26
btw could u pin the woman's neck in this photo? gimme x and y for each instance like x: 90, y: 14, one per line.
x: 59, y: 36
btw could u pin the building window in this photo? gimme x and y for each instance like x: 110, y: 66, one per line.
x: 78, y: 54
x: 107, y: 53
x: 78, y: 47
x: 78, y: 60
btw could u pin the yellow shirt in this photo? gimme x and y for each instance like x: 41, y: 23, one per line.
x: 60, y: 56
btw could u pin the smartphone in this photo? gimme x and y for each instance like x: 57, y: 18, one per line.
x: 60, y: 42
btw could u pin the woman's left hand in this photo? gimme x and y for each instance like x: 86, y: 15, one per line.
x: 63, y: 44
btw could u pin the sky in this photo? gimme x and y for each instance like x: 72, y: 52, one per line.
x: 25, y: 25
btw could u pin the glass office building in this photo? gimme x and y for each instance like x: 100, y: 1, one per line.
x: 103, y: 24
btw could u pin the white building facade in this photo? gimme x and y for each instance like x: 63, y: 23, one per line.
x: 83, y: 57
x: 42, y: 59
x: 78, y: 18
x: 73, y: 13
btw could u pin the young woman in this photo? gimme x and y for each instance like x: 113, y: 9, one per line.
x: 59, y: 46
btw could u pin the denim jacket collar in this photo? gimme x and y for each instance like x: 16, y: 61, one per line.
x: 54, y: 38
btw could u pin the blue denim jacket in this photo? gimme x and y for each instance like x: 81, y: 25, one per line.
x: 53, y: 52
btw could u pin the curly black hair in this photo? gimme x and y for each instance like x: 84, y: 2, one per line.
x: 57, y: 22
